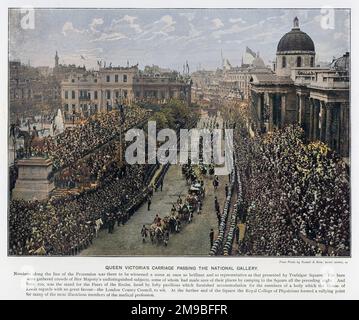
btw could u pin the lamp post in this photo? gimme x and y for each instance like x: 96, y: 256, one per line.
x: 121, y: 120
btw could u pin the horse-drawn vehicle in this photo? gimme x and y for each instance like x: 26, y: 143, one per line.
x: 159, y: 231
x: 184, y: 212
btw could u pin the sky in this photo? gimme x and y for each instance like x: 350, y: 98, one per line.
x: 168, y: 37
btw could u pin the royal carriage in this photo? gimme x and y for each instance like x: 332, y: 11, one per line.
x: 159, y: 230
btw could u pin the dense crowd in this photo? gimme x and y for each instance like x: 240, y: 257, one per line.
x: 90, y: 169
x: 66, y: 225
x: 296, y: 195
x: 74, y: 143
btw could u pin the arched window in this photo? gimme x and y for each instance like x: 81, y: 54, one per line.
x: 299, y: 62
x: 284, y: 62
x: 312, y: 62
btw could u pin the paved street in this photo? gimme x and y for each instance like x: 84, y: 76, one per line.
x: 192, y: 240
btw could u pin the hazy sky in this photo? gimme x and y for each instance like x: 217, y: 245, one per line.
x: 169, y: 37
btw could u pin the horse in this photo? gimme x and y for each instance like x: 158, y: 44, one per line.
x: 184, y: 212
x: 159, y: 235
x: 98, y: 224
x: 38, y: 143
x: 29, y: 140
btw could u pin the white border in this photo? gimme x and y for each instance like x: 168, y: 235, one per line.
x: 9, y: 289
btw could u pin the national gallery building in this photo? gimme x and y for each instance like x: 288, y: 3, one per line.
x: 317, y: 98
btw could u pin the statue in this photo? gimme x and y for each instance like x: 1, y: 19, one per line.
x: 58, y: 123
x: 30, y: 140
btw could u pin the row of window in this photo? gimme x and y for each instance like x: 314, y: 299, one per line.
x: 124, y: 78
x: 154, y: 94
x: 20, y: 94
x: 84, y: 94
x: 108, y: 78
x: 82, y: 106
x: 298, y: 62
x: 236, y: 77
x: 117, y: 94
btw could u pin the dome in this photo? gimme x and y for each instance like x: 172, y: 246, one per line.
x: 295, y: 40
x: 342, y: 63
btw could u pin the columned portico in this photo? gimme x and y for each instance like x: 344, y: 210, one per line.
x: 329, y: 123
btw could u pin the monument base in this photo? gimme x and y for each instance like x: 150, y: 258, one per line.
x: 32, y: 183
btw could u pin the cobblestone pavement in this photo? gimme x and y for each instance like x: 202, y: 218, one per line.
x: 193, y: 238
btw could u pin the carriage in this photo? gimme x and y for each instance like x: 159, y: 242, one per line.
x: 198, y: 190
x: 159, y: 232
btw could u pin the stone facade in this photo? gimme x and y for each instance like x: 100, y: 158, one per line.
x: 90, y: 92
x: 32, y: 182
x: 31, y: 88
x: 315, y: 98
x: 86, y: 93
x: 228, y: 83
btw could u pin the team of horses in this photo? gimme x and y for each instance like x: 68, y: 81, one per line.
x: 182, y: 211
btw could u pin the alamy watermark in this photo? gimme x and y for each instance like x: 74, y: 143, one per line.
x: 189, y: 147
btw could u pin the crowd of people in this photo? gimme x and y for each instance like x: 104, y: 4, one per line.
x: 90, y: 169
x: 88, y: 154
x: 66, y: 225
x: 296, y: 196
x: 74, y: 143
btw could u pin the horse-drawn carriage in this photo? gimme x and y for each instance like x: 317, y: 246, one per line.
x: 197, y: 189
x: 184, y: 212
x: 159, y: 231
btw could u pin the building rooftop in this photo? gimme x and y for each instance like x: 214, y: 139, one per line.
x: 270, y: 79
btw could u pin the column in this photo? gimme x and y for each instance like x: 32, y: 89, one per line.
x: 301, y: 111
x: 315, y: 119
x: 270, y: 107
x: 322, y: 121
x: 345, y: 131
x: 283, y: 109
x: 311, y: 119
x: 259, y: 107
x: 328, y: 130
x: 336, y: 123
x: 100, y: 102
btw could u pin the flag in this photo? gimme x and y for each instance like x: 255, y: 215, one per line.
x: 251, y: 52
x: 227, y: 64
x: 249, y: 56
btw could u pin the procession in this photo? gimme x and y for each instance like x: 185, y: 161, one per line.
x: 115, y: 157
